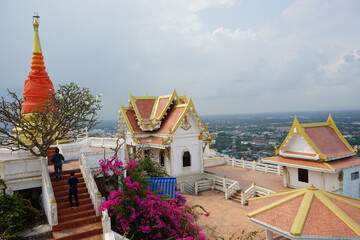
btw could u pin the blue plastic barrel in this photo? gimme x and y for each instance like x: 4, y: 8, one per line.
x: 163, y: 186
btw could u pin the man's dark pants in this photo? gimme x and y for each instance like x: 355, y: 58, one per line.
x: 75, y: 194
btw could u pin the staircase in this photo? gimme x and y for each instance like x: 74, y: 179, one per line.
x: 76, y: 223
x: 49, y: 153
x: 236, y: 196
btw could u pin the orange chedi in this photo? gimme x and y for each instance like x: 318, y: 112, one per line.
x: 38, y: 86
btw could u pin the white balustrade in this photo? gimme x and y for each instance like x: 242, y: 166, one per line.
x: 48, y: 197
x: 264, y: 167
x: 213, y: 182
x: 90, y: 183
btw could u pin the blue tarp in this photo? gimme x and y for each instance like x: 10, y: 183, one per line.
x: 163, y: 186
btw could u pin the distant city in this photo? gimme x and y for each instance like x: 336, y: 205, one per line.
x: 253, y: 136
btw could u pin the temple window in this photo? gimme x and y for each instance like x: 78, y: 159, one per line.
x: 162, y: 158
x: 186, y: 159
x: 303, y: 175
x: 355, y: 175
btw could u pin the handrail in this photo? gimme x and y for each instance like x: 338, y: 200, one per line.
x: 224, y: 184
x: 254, y: 190
x: 48, y: 197
x: 231, y: 189
x: 90, y: 184
x: 265, y: 167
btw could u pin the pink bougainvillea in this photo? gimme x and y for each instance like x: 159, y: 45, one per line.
x: 141, y: 214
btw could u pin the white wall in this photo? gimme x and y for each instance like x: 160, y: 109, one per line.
x: 324, y: 181
x: 297, y: 143
x: 187, y: 140
x: 351, y: 187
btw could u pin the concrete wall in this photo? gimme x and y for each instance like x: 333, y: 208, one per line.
x: 351, y: 187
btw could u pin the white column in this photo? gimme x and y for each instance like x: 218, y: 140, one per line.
x: 269, y: 234
x: 285, y: 176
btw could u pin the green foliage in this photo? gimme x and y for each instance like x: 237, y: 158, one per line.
x: 151, y: 168
x: 63, y: 115
x: 239, y: 235
x: 12, y: 215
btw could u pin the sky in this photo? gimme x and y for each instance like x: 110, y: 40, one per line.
x: 229, y: 56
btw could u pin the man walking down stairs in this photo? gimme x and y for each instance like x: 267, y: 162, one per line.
x: 74, y: 223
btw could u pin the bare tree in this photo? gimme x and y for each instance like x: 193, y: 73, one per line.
x: 63, y: 116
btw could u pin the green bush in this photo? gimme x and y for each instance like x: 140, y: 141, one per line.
x: 12, y: 215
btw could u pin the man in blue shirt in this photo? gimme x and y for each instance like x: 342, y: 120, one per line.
x: 73, y: 181
x: 57, y: 159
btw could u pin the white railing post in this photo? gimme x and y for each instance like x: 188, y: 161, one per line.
x: 279, y: 170
x: 233, y: 162
x: 254, y: 165
x: 224, y: 184
x: 242, y: 198
x: 196, y: 188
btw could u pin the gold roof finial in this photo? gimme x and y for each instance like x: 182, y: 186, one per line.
x: 36, y: 43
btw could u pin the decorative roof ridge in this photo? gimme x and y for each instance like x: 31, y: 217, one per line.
x: 188, y: 106
x: 172, y: 96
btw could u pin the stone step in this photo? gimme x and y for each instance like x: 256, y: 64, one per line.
x: 94, y: 237
x: 67, y: 172
x: 73, y: 215
x: 67, y: 211
x: 65, y: 187
x: 66, y: 204
x: 81, y: 232
x: 64, y: 180
x: 65, y: 197
x: 77, y: 222
x: 65, y: 192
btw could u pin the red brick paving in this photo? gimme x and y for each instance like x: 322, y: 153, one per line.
x: 247, y: 176
x: 228, y: 218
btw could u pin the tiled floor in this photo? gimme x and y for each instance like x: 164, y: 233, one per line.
x: 228, y: 217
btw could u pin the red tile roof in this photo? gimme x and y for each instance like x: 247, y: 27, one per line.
x: 332, y: 165
x: 171, y: 119
x: 322, y: 219
x: 163, y: 102
x: 145, y: 107
x: 327, y: 141
x: 156, y: 115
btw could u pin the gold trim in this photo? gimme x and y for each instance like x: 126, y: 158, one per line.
x: 300, y: 129
x: 341, y: 198
x: 302, y: 214
x: 338, y: 212
x: 36, y: 43
x: 277, y: 203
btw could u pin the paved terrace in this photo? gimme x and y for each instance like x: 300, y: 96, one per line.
x: 228, y: 217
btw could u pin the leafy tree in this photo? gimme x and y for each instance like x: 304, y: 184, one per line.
x: 12, y: 215
x: 63, y: 116
x: 151, y: 168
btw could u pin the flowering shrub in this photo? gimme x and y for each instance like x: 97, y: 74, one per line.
x: 141, y: 214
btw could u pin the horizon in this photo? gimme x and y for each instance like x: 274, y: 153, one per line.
x: 230, y: 56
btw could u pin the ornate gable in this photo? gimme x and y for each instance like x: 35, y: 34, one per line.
x: 315, y: 141
x: 158, y: 116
